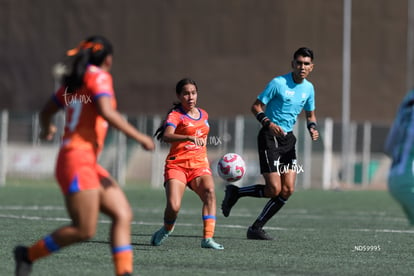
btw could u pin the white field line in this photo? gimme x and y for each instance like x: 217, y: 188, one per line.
x: 297, y: 213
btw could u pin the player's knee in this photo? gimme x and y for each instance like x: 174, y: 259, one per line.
x: 174, y: 207
x: 208, y: 195
x: 271, y: 191
x: 209, y: 192
x: 85, y: 234
x: 287, y: 192
x: 125, y: 215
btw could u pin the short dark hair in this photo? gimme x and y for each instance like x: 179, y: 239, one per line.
x: 304, y: 52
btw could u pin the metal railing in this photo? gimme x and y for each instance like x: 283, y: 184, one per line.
x: 23, y: 155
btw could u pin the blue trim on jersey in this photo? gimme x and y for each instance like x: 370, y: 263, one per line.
x: 50, y: 244
x: 170, y: 124
x: 209, y: 217
x: 102, y: 94
x: 185, y: 113
x: 285, y: 100
x: 121, y: 249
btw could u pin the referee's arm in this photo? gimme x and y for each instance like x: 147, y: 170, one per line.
x: 312, y: 125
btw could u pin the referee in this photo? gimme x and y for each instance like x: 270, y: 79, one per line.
x: 277, y: 109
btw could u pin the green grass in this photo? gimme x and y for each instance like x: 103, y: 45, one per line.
x: 317, y: 233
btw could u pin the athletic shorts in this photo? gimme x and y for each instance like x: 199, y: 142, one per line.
x: 77, y: 170
x: 185, y: 175
x: 276, y: 153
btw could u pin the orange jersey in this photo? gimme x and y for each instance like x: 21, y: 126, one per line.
x: 187, y: 154
x: 85, y: 128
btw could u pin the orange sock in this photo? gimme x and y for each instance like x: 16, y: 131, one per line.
x: 42, y: 248
x: 123, y: 259
x: 209, y: 222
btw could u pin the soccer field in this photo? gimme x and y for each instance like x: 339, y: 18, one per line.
x: 317, y: 233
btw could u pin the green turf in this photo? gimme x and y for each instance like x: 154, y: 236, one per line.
x: 318, y: 233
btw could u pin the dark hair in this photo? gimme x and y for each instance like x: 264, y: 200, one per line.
x: 304, y: 52
x: 93, y: 50
x: 178, y: 88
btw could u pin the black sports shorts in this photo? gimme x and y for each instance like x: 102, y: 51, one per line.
x: 276, y: 153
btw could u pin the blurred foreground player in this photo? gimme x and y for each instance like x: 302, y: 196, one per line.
x: 87, y: 96
x: 400, y: 147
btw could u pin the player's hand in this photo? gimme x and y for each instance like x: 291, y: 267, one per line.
x: 314, y: 133
x: 147, y: 143
x: 47, y: 134
x: 277, y: 130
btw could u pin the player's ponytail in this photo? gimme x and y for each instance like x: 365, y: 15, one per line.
x: 159, y: 133
x: 93, y: 50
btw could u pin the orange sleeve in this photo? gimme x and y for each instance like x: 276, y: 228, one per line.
x: 100, y: 84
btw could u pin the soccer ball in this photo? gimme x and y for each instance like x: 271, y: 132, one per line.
x: 231, y: 167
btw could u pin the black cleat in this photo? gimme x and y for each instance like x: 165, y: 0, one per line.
x: 230, y: 198
x: 23, y: 265
x: 257, y: 234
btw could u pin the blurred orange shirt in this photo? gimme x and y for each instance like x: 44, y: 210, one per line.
x: 84, y: 127
x: 187, y: 154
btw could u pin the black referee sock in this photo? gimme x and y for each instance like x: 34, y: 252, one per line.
x: 270, y: 209
x: 253, y: 191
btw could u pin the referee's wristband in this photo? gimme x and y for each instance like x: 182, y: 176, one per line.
x: 263, y: 119
x: 312, y: 125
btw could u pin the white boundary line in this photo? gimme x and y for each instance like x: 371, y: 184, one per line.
x: 233, y: 226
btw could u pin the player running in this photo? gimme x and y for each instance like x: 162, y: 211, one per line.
x: 186, y: 128
x: 88, y: 98
x: 277, y: 108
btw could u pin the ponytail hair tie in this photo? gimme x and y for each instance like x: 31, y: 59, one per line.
x: 95, y: 46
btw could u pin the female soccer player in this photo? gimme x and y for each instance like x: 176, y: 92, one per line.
x: 186, y: 129
x: 87, y: 96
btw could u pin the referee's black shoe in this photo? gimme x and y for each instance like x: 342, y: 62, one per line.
x: 257, y: 234
x: 230, y: 198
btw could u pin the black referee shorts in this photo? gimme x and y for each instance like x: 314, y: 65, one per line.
x: 276, y: 153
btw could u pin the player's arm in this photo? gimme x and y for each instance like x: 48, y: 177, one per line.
x: 258, y: 111
x: 115, y: 119
x: 312, y: 125
x: 47, y: 128
x: 170, y: 136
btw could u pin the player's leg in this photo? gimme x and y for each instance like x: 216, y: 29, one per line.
x: 280, y: 183
x: 83, y: 209
x: 271, y: 190
x: 174, y: 191
x: 203, y: 186
x: 79, y: 182
x: 114, y: 204
x: 273, y: 205
x: 269, y: 154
